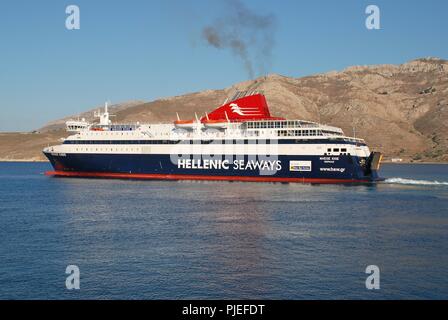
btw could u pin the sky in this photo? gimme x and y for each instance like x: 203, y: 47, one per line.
x: 144, y: 50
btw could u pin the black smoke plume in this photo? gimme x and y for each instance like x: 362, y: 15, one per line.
x: 249, y: 36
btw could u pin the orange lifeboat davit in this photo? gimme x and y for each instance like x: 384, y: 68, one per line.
x: 97, y: 129
x: 184, y: 124
x: 215, y: 124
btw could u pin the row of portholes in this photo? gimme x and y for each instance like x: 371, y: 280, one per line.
x: 107, y: 149
x: 113, y: 133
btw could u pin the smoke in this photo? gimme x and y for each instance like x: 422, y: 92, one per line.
x: 248, y: 35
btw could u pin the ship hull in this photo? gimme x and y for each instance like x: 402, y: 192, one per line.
x: 282, y: 168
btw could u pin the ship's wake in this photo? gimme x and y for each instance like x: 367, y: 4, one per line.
x: 415, y: 182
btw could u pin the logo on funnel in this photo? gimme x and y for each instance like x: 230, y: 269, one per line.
x: 244, y: 111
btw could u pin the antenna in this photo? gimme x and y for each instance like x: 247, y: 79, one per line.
x: 354, y: 122
x: 104, y: 117
x: 177, y: 115
x: 206, y: 115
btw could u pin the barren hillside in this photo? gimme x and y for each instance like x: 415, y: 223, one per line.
x: 401, y: 110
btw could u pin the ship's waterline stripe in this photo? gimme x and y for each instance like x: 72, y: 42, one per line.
x: 199, y: 177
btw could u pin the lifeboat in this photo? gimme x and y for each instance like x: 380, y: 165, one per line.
x: 184, y: 124
x: 215, y: 124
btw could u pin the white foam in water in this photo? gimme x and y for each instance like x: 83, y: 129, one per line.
x: 416, y: 182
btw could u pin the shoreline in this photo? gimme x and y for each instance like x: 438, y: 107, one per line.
x: 23, y: 160
x: 409, y: 162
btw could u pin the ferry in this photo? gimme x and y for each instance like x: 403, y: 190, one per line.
x: 238, y: 141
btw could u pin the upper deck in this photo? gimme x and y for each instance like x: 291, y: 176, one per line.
x: 245, y: 118
x: 259, y: 130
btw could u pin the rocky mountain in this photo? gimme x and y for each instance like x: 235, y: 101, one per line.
x: 401, y: 110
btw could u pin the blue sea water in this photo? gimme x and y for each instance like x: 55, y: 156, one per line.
x: 223, y: 240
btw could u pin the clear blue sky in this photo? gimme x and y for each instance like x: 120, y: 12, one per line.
x: 133, y: 49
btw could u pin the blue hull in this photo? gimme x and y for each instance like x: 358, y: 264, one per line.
x: 282, y: 168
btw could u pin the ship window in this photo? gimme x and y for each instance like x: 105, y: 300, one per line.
x: 336, y: 150
x: 329, y: 149
x: 343, y: 150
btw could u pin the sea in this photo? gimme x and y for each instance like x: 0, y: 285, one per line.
x: 223, y: 240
